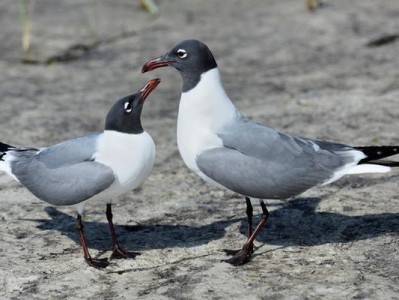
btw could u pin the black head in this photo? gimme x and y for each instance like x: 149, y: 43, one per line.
x: 190, y: 57
x: 124, y: 115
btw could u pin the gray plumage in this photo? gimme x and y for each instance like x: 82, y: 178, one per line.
x: 63, y: 174
x: 257, y: 161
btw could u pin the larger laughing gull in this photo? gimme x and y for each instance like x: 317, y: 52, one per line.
x: 95, y: 167
x: 224, y: 148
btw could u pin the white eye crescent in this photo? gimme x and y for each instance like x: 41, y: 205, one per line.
x: 128, y: 107
x: 181, y: 53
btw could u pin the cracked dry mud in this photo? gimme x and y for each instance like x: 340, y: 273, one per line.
x: 319, y: 74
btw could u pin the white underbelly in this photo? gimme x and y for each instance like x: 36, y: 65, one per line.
x: 193, y: 140
x: 190, y: 148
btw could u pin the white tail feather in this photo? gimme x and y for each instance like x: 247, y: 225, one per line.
x: 354, y: 168
x: 368, y: 168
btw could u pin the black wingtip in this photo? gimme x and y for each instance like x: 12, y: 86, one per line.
x: 4, y: 148
x: 375, y: 153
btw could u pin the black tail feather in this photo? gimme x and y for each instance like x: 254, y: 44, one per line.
x: 388, y: 163
x: 375, y: 153
x: 4, y: 148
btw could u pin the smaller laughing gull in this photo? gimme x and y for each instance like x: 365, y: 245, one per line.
x: 224, y: 148
x: 95, y: 167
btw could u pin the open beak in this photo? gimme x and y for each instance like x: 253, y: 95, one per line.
x: 161, y: 61
x: 148, y: 88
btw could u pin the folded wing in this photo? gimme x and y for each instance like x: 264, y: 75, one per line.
x: 258, y: 161
x: 63, y: 174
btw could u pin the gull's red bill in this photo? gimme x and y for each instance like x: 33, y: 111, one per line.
x: 148, y: 88
x: 155, y: 63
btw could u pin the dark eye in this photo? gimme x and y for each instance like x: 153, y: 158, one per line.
x: 128, y: 107
x: 181, y: 53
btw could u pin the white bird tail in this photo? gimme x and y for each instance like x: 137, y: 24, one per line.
x: 367, y: 160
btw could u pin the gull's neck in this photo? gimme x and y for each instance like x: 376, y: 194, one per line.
x: 207, y: 104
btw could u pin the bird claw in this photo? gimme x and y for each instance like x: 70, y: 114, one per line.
x: 231, y: 252
x: 240, y: 257
x: 119, y: 253
x: 97, y: 263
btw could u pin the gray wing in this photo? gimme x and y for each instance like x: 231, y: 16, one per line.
x: 260, y: 162
x: 63, y: 174
x: 69, y: 152
x: 267, y: 143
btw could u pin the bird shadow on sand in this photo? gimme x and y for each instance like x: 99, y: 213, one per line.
x: 135, y: 237
x: 297, y: 223
x: 294, y: 223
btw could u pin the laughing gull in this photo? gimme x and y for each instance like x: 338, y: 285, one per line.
x: 224, y: 148
x: 95, y: 167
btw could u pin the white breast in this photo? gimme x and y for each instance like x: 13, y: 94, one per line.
x: 202, y: 112
x: 131, y: 156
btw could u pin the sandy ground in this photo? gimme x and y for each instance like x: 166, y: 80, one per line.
x: 310, y: 74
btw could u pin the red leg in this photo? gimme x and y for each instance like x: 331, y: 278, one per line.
x: 117, y: 251
x: 243, y: 256
x: 249, y: 212
x: 96, y: 263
